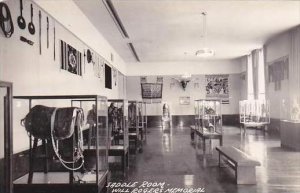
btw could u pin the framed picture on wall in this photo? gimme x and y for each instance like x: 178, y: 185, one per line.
x: 184, y: 100
x: 151, y: 90
x: 217, y: 86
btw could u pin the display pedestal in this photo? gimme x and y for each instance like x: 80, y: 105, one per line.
x: 262, y: 126
x: 290, y: 134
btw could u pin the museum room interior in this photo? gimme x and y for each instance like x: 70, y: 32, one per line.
x: 149, y: 96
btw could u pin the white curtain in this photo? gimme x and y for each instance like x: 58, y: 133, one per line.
x: 250, y: 92
x: 258, y: 71
x: 255, y: 72
x: 294, y: 68
x: 261, y: 75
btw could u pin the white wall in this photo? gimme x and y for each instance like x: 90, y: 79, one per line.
x: 276, y: 48
x: 171, y: 68
x: 171, y: 94
x: 73, y: 19
x: 35, y: 74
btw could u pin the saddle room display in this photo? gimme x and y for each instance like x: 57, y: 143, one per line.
x: 63, y: 144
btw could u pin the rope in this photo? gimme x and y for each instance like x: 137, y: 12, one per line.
x: 6, y: 22
x: 78, y: 154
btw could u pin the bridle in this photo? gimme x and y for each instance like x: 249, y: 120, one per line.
x: 6, y: 22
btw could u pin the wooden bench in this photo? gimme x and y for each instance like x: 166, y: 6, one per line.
x: 242, y: 163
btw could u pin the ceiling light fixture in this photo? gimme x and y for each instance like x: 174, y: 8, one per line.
x: 205, y: 51
x: 114, y: 15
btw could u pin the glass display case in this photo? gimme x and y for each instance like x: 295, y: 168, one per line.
x: 290, y: 123
x: 6, y: 137
x: 134, y: 129
x: 208, y: 122
x: 68, y: 149
x: 118, y: 130
x: 118, y: 122
x: 254, y: 111
x: 208, y: 116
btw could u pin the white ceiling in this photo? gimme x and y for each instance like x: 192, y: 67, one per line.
x: 164, y: 30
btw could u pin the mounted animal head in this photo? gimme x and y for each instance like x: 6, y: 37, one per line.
x: 184, y: 83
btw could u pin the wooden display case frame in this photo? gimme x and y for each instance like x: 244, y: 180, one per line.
x: 121, y: 150
x: 8, y: 141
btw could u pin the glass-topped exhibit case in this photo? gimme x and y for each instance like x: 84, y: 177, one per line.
x: 208, y: 116
x: 290, y: 123
x: 6, y: 137
x: 254, y: 113
x: 68, y: 143
x: 118, y: 122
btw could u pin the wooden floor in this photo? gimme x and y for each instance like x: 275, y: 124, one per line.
x: 171, y: 158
